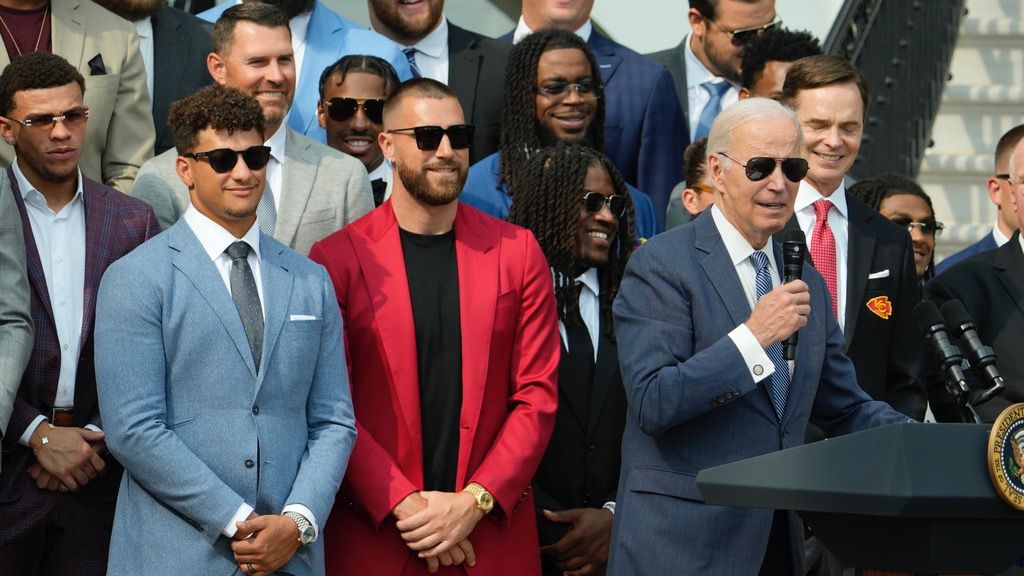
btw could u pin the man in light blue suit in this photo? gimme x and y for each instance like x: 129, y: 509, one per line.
x: 221, y: 372
x: 320, y: 36
x: 700, y: 318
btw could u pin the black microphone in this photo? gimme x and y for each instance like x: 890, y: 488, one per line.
x: 930, y: 321
x: 982, y: 357
x: 794, y: 248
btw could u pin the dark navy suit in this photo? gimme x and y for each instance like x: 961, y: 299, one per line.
x: 986, y: 243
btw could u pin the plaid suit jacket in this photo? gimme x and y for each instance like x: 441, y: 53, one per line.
x: 114, y: 225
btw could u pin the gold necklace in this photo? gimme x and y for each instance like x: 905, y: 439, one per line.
x: 39, y: 37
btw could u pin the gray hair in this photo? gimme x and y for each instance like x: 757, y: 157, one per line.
x: 744, y: 112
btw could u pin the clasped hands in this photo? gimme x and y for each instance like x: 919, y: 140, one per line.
x: 69, y: 460
x: 437, y: 525
x: 263, y: 544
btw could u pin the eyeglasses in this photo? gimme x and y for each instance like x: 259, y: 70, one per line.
x: 429, y: 137
x: 702, y: 187
x: 560, y: 90
x: 341, y: 109
x: 1003, y: 177
x: 928, y: 227
x: 223, y: 160
x: 760, y: 167
x: 742, y: 36
x: 70, y: 118
x: 594, y: 202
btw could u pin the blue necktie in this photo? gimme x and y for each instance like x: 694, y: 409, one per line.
x: 716, y: 90
x: 780, y: 378
x: 410, y: 55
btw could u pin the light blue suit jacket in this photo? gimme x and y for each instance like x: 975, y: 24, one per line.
x: 197, y: 429
x: 329, y: 36
x: 693, y: 404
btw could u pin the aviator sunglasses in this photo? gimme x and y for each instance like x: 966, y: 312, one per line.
x: 341, y: 109
x: 223, y: 160
x: 71, y: 117
x: 760, y: 167
x: 742, y: 36
x: 594, y: 202
x: 429, y: 137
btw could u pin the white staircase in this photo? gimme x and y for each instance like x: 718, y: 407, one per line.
x: 984, y: 99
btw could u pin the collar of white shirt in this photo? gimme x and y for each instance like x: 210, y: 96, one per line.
x: 435, y: 43
x: 738, y: 246
x: 522, y: 31
x: 214, y: 238
x: 28, y: 189
x: 807, y: 195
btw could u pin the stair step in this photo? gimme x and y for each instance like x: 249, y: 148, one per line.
x: 971, y: 119
x: 987, y: 27
x: 989, y: 64
x: 1001, y: 8
x: 973, y: 165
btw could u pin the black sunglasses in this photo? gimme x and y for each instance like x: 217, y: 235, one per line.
x: 928, y: 227
x: 71, y: 117
x: 223, y: 160
x: 429, y: 137
x: 594, y: 202
x: 341, y: 109
x: 743, y: 36
x: 760, y: 167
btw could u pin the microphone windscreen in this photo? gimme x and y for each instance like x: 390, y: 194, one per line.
x: 927, y: 315
x: 794, y: 235
x: 956, y: 315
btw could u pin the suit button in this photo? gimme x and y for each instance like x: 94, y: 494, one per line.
x: 249, y: 463
x: 591, y: 447
x: 255, y: 410
x: 54, y: 361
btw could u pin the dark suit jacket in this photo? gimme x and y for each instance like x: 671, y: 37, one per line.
x: 476, y: 72
x: 580, y: 468
x: 986, y: 243
x: 645, y: 134
x: 693, y: 404
x: 114, y: 225
x: 180, y: 45
x: 887, y: 352
x: 991, y: 287
x: 673, y: 61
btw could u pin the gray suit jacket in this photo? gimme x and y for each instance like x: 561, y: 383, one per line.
x: 323, y: 190
x: 15, y: 313
x: 693, y: 404
x: 198, y: 429
x: 116, y: 144
x: 673, y: 60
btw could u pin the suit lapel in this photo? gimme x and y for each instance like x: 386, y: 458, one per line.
x: 720, y: 270
x: 606, y: 371
x: 195, y: 264
x: 36, y: 276
x: 99, y: 225
x: 479, y: 268
x: 67, y: 31
x: 604, y: 51
x: 1010, y: 260
x: 859, y: 256
x: 277, y: 293
x: 296, y: 186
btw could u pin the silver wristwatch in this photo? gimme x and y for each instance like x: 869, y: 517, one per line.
x: 306, y: 532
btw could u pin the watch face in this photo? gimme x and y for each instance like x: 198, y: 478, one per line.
x: 307, y: 534
x: 486, y: 501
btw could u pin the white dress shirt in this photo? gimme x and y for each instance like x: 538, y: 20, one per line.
x: 759, y: 364
x: 275, y: 168
x: 522, y: 31
x: 998, y: 235
x: 432, y: 53
x: 144, y: 28
x: 215, y: 241
x: 590, y: 308
x: 839, y: 222
x: 383, y: 172
x: 696, y: 94
x: 60, y: 242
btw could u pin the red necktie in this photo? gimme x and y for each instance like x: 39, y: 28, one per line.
x: 823, y: 249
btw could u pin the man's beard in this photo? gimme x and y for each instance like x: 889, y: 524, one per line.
x: 411, y: 32
x: 291, y: 8
x: 132, y: 10
x: 416, y: 182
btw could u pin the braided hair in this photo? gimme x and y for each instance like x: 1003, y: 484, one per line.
x: 549, y: 198
x: 521, y: 133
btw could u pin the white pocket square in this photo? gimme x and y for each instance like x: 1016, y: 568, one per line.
x: 300, y: 317
x: 876, y: 275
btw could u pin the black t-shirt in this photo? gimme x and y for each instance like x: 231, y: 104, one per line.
x: 432, y: 270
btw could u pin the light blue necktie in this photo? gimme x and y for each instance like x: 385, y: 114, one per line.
x: 716, y: 90
x: 780, y: 378
x: 410, y: 55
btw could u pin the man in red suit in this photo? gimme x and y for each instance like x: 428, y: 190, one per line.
x: 452, y: 336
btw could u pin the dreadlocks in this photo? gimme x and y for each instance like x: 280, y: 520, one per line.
x: 521, y: 133
x: 549, y: 199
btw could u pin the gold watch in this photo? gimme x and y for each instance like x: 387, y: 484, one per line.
x: 484, y: 500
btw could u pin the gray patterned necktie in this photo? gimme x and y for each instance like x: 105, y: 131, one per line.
x: 266, y: 212
x: 247, y: 299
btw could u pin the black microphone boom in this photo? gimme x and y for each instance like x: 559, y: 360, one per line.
x: 982, y: 357
x: 930, y: 321
x: 794, y: 247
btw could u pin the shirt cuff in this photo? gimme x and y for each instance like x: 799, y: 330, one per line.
x: 93, y: 427
x: 609, y: 506
x: 27, y: 434
x: 307, y: 514
x: 243, y: 512
x: 759, y: 365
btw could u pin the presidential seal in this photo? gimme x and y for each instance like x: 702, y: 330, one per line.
x: 1006, y: 455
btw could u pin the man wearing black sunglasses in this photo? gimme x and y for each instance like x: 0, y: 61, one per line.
x: 55, y: 462
x: 451, y: 330
x: 700, y: 320
x: 312, y: 189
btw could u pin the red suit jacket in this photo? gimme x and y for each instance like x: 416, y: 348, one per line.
x: 510, y: 356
